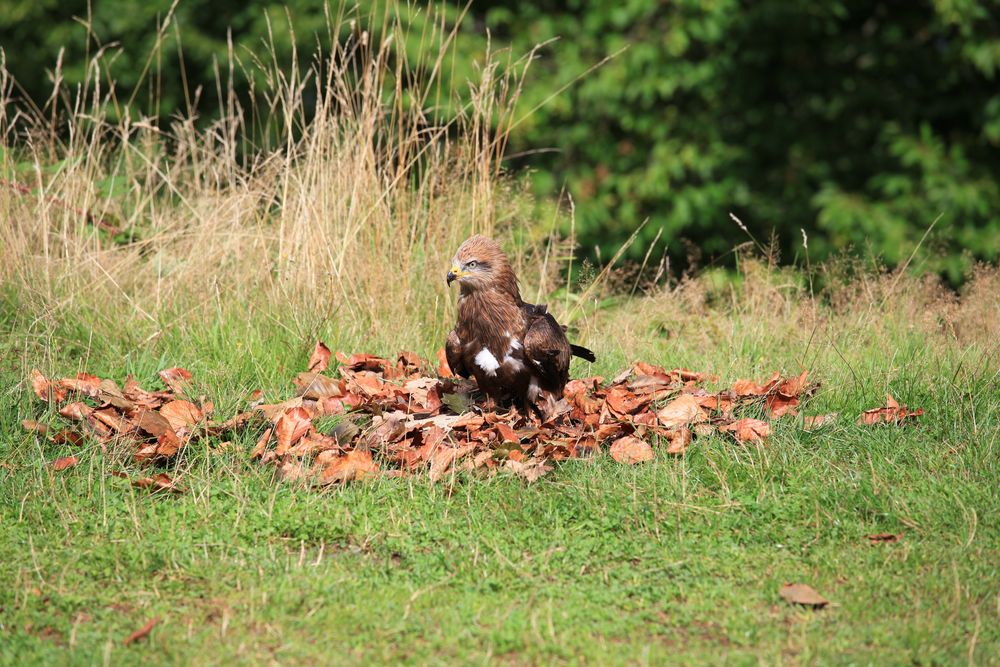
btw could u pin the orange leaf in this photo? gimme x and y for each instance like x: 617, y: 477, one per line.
x: 290, y: 427
x: 356, y: 464
x: 67, y: 437
x: 630, y: 450
x: 75, y: 411
x: 892, y: 413
x: 157, y: 483
x: 681, y: 411
x: 320, y: 358
x: 34, y: 427
x: 748, y: 430
x: 803, y: 594
x: 813, y: 422
x: 680, y: 440
x: 142, y: 632
x: 261, y: 445
x: 151, y: 422
x: 176, y: 379
x: 64, y: 462
x: 444, y: 370
x: 46, y: 390
x: 181, y: 415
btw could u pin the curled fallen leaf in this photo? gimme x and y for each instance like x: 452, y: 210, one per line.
x: 354, y: 465
x: 181, y: 414
x: 892, y: 413
x: 804, y: 595
x: 748, y: 430
x: 290, y: 427
x: 67, y: 437
x: 159, y: 482
x: 814, y: 422
x: 176, y: 378
x: 678, y: 441
x: 34, y: 427
x: 64, y: 462
x: 76, y: 411
x: 683, y: 410
x: 46, y: 390
x: 142, y: 632
x: 631, y: 450
x: 444, y: 370
x: 320, y: 358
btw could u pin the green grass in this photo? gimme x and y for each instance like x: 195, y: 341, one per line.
x: 676, y: 561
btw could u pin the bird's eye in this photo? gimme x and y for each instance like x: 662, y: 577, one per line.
x: 473, y: 264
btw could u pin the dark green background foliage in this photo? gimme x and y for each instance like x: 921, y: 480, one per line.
x: 858, y: 122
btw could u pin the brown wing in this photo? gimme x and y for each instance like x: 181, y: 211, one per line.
x: 453, y: 352
x: 547, y: 352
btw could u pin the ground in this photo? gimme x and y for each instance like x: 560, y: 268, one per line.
x: 674, y: 561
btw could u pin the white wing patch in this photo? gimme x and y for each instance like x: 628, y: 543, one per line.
x: 487, y: 361
x: 533, y: 390
x: 515, y: 364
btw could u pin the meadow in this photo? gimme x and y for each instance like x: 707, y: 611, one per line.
x: 129, y: 247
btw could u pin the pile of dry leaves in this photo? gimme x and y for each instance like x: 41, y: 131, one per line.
x: 401, y: 417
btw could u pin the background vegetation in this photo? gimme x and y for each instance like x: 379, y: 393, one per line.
x: 282, y: 204
x: 856, y: 123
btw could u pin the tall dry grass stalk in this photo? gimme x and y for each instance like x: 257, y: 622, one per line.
x: 345, y: 222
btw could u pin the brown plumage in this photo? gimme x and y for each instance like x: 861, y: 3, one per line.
x: 515, y: 350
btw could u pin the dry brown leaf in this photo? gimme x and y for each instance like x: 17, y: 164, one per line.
x: 444, y: 370
x: 68, y: 437
x: 76, y: 411
x: 803, y: 594
x: 157, y: 483
x: 181, y: 415
x: 892, y: 413
x: 151, y: 422
x: 261, y: 445
x: 530, y: 470
x: 176, y: 378
x: 113, y: 419
x: 444, y: 457
x: 883, y: 538
x: 679, y: 441
x: 64, y: 462
x: 46, y: 390
x: 320, y: 358
x: 813, y: 422
x: 630, y: 450
x: 683, y: 410
x: 34, y: 427
x: 354, y: 465
x: 290, y: 427
x: 142, y: 632
x: 312, y: 385
x: 167, y: 444
x: 83, y: 383
x: 748, y: 430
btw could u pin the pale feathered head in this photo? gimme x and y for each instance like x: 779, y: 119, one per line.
x: 481, y: 264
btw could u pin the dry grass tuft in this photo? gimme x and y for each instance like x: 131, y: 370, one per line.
x: 347, y: 221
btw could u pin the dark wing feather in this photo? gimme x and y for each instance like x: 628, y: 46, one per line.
x: 582, y: 352
x: 547, y: 351
x: 453, y: 352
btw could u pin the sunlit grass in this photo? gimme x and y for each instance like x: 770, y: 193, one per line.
x: 233, y: 268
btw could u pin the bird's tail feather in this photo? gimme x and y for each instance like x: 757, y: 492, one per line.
x: 582, y: 352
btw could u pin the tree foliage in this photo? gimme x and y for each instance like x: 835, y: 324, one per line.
x: 857, y: 123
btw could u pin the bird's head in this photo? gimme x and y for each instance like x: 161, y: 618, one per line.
x: 480, y: 264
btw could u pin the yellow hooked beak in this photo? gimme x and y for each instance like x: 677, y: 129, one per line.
x: 454, y: 274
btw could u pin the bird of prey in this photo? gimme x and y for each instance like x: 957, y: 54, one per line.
x: 516, y: 351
